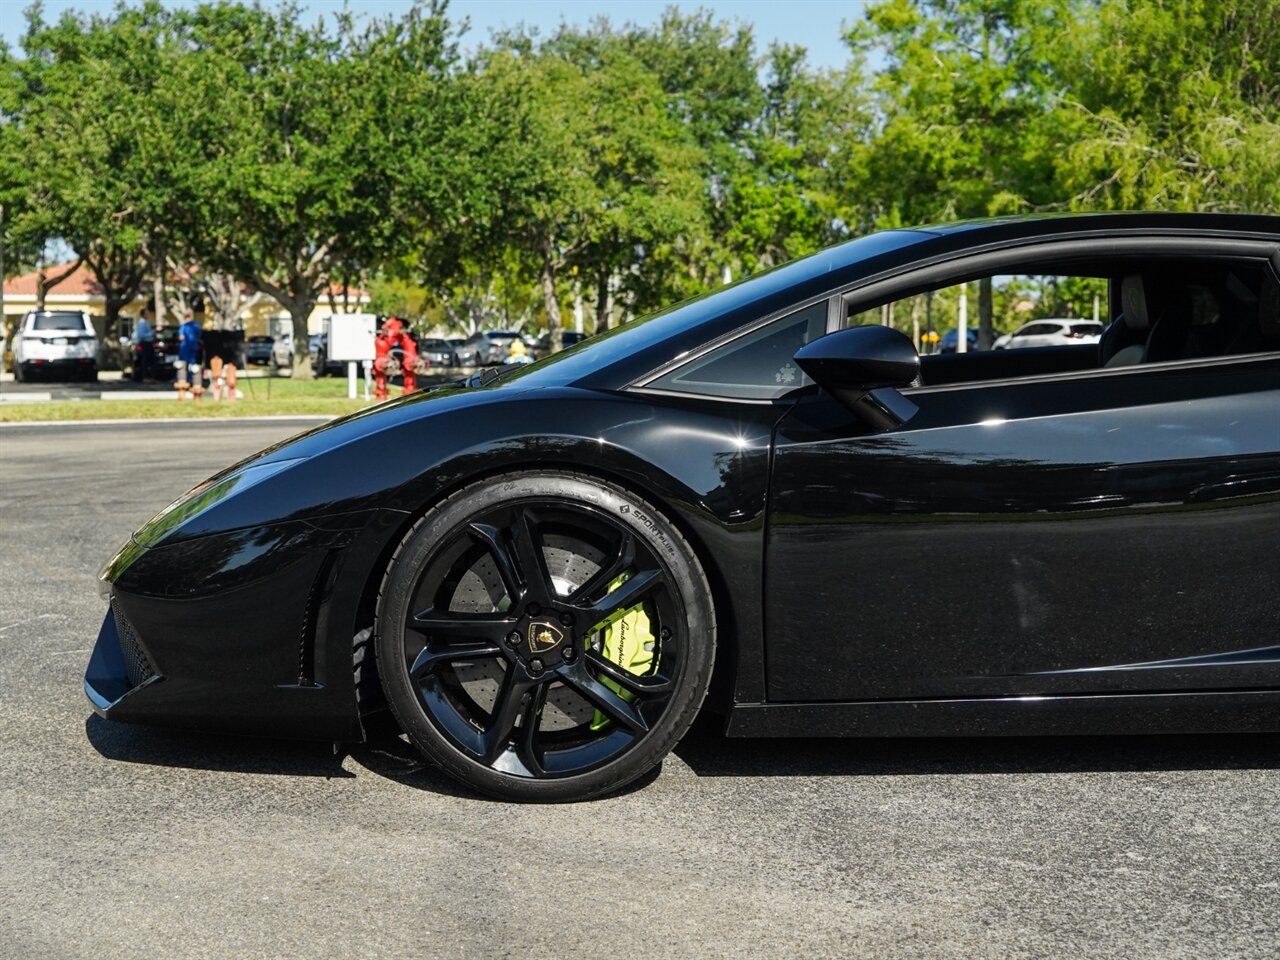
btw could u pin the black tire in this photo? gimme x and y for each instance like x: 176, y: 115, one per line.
x: 458, y: 616
x: 20, y: 373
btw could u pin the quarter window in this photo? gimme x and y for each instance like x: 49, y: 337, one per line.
x: 756, y: 366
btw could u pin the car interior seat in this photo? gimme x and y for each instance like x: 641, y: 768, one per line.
x: 1124, y: 341
x: 1269, y: 314
x: 1260, y: 330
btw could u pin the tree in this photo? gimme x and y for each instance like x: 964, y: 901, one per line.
x: 304, y: 129
x: 101, y: 151
x: 708, y: 71
x: 1170, y: 105
x: 585, y: 167
x: 962, y: 97
x: 781, y: 205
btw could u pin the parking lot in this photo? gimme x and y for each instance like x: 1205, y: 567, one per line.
x: 126, y: 841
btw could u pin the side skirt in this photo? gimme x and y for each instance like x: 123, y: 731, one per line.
x: 1244, y: 711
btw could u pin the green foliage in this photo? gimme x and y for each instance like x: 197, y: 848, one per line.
x: 312, y: 136
x: 1173, y: 105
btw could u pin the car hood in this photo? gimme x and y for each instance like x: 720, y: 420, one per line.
x: 309, y: 476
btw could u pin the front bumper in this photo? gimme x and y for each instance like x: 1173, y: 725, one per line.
x: 59, y: 363
x: 249, y: 631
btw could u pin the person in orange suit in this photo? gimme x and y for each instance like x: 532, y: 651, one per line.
x: 395, y: 352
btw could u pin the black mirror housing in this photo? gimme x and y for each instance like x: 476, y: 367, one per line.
x: 862, y: 367
x: 862, y: 358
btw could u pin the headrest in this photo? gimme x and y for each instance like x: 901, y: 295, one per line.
x: 1269, y: 309
x: 1206, y: 308
x: 1133, y: 303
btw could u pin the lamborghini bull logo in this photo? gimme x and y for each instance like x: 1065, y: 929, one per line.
x: 543, y: 636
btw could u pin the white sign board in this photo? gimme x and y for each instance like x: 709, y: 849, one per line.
x: 351, y: 336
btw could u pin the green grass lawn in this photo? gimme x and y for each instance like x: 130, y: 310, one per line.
x: 262, y: 398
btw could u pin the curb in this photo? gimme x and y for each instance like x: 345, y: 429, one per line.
x: 142, y: 421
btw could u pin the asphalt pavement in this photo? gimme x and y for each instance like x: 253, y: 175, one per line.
x: 120, y: 841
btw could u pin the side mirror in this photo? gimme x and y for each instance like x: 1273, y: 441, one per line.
x: 862, y: 367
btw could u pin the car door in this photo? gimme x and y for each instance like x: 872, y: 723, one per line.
x: 1094, y: 532
x: 1033, y: 335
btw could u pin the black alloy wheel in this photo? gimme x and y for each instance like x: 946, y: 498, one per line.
x: 545, y: 636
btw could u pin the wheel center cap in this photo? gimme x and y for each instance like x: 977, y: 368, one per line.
x: 543, y: 635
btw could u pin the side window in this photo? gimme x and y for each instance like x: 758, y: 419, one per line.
x: 1014, y: 302
x: 755, y: 366
x: 1111, y: 315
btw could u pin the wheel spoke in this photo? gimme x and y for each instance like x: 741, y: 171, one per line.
x: 432, y: 656
x: 622, y: 561
x: 491, y: 538
x: 529, y: 728
x: 650, y: 686
x: 604, y: 699
x: 529, y: 557
x: 443, y: 625
x: 627, y: 595
x: 507, y: 707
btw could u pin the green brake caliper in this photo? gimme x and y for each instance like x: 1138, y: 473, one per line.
x: 629, y: 642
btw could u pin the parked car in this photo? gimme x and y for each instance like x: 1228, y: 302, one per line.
x: 1051, y: 333
x: 437, y: 351
x: 542, y: 346
x: 540, y: 571
x: 501, y: 344
x: 55, y: 344
x: 282, y: 352
x: 259, y: 349
x: 321, y: 365
x: 952, y: 337
x: 472, y: 351
x: 486, y: 347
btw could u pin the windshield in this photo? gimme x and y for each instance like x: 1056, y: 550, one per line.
x: 58, y: 321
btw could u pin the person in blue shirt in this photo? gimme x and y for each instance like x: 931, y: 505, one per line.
x: 189, y: 359
x: 144, y: 341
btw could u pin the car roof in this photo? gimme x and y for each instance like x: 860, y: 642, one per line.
x: 617, y: 357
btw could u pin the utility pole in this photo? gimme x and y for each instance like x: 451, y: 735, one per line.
x: 1, y: 275
x: 962, y: 320
x: 157, y: 288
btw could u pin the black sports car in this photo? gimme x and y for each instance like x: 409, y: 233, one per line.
x: 542, y: 571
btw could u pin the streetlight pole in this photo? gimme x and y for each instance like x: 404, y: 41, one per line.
x: 1, y: 275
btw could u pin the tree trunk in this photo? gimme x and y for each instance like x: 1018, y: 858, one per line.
x: 157, y: 292
x: 985, y: 338
x: 300, y: 313
x: 602, y: 300
x: 549, y: 299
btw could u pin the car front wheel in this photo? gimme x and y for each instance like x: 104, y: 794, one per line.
x: 545, y: 636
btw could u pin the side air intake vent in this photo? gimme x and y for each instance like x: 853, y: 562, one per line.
x: 136, y: 665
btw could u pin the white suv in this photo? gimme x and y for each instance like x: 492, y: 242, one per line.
x: 56, y: 342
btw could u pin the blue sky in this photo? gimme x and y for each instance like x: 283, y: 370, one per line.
x: 814, y: 24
